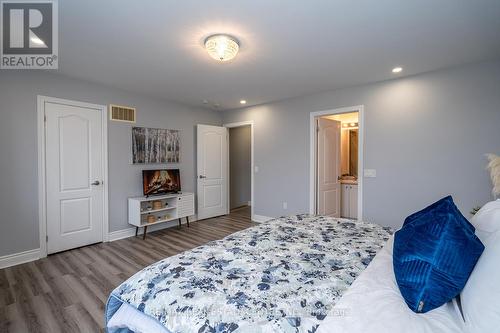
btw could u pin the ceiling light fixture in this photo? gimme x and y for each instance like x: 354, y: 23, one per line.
x: 222, y: 47
x: 349, y: 125
x: 397, y: 69
x: 243, y: 101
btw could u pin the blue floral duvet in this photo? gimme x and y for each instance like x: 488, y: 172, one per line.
x: 284, y: 275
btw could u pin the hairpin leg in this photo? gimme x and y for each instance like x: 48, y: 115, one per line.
x: 145, y: 230
x: 187, y: 219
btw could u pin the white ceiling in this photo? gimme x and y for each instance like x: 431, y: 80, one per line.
x: 288, y: 48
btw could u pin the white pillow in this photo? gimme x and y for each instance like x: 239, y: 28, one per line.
x: 487, y: 220
x: 481, y: 295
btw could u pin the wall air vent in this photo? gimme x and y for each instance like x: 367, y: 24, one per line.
x: 122, y: 113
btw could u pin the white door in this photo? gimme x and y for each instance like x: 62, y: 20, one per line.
x: 74, y: 175
x: 328, y: 170
x: 212, y: 165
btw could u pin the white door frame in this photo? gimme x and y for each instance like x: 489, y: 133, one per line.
x: 239, y: 124
x: 42, y: 193
x: 313, y: 157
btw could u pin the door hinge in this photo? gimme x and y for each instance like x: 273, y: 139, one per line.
x: 47, y: 238
x: 44, y: 118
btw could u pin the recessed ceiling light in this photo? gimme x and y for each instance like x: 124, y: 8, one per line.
x: 222, y: 47
x: 243, y: 101
x: 397, y: 69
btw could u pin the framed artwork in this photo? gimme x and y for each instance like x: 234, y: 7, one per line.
x: 155, y: 145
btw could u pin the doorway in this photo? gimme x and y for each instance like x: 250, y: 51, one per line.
x: 336, y: 162
x: 240, y: 187
x: 72, y: 165
x: 239, y: 170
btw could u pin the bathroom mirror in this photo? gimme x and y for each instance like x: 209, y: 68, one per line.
x: 353, y: 152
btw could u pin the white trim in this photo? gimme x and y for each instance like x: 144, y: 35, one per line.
x: 252, y: 200
x: 42, y: 221
x: 19, y: 258
x: 261, y: 218
x: 312, y: 153
x: 42, y: 200
x: 120, y: 234
x: 130, y: 232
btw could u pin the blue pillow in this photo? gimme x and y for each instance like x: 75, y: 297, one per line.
x: 433, y: 256
x: 446, y: 204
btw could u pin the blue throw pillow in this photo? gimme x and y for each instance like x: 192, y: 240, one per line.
x: 433, y: 256
x: 446, y: 204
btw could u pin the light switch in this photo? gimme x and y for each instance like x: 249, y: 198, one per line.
x: 370, y: 173
x: 256, y: 168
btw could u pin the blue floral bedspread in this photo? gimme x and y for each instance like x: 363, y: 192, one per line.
x: 284, y: 275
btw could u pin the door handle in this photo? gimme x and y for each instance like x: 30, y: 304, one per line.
x: 96, y: 183
x: 201, y: 176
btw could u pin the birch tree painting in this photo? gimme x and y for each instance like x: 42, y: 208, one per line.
x: 155, y: 145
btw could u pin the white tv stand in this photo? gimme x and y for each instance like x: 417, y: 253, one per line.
x: 173, y: 206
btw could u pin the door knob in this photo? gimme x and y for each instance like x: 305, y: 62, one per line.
x: 201, y: 176
x: 95, y: 183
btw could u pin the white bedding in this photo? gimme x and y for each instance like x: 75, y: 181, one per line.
x: 129, y: 317
x: 374, y: 304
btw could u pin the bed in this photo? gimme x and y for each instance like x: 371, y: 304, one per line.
x: 284, y: 275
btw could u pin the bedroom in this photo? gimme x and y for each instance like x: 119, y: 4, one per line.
x: 426, y: 132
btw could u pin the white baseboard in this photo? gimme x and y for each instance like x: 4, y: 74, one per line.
x: 261, y: 218
x: 19, y: 258
x: 129, y: 232
x: 120, y: 234
x: 32, y: 255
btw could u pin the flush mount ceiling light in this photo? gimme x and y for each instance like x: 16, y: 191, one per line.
x: 222, y: 47
x: 397, y: 69
x: 243, y: 101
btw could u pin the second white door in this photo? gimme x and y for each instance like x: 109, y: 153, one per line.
x: 212, y: 171
x: 328, y: 167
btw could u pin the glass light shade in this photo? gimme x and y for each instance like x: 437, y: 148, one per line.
x: 222, y: 47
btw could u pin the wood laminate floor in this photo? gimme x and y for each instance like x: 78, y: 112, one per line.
x: 67, y: 292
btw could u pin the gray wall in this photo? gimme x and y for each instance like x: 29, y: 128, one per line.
x: 240, y: 166
x: 18, y: 148
x: 425, y: 135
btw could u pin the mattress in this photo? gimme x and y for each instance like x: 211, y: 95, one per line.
x: 284, y: 275
x: 374, y: 304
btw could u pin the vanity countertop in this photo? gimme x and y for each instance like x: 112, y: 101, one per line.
x: 349, y: 181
